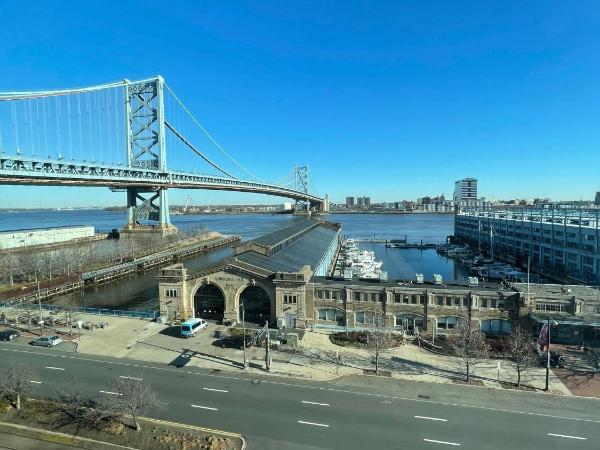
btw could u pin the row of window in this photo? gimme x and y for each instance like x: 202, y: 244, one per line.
x: 413, y: 322
x: 290, y: 298
x: 171, y: 293
x: 557, y: 307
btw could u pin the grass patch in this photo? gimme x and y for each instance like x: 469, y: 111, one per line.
x: 48, y: 415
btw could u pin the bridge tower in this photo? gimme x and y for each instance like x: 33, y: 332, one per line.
x: 146, y: 148
x: 301, y: 184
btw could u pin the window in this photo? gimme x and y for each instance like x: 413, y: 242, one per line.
x: 484, y: 302
x: 448, y: 301
x: 456, y: 301
x: 495, y: 326
x: 410, y: 322
x: 439, y: 300
x: 290, y: 299
x: 413, y: 299
x: 450, y: 322
x: 171, y: 293
x: 331, y: 314
x: 557, y: 307
x: 397, y: 298
x: 368, y: 317
x: 356, y: 296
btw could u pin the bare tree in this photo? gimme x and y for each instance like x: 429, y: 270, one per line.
x: 520, y: 351
x: 15, y: 381
x: 379, y: 341
x: 134, y: 398
x: 469, y: 345
x: 78, y: 408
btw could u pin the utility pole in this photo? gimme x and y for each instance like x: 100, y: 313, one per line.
x: 548, y: 359
x: 244, y: 328
x: 41, y: 321
x: 268, y: 344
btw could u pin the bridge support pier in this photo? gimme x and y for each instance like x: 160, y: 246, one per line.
x: 153, y: 206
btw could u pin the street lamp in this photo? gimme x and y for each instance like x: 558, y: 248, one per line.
x: 548, y: 355
x: 244, y: 328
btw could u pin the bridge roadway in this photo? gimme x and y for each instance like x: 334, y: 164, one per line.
x: 353, y: 413
x: 18, y: 170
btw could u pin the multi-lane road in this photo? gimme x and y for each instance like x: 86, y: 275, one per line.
x: 355, y: 413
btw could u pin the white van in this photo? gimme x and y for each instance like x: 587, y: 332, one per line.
x: 192, y: 326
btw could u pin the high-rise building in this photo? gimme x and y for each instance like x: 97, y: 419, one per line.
x: 349, y: 201
x: 367, y: 201
x: 597, y: 199
x: 465, y: 191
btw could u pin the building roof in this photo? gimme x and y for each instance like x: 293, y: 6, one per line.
x: 312, y: 240
x: 448, y: 286
x: 285, y: 234
x: 558, y: 290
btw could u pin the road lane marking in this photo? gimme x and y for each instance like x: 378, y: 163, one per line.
x: 314, y: 424
x: 110, y: 393
x: 442, y: 442
x: 54, y: 368
x: 204, y: 407
x: 35, y: 382
x: 300, y: 386
x: 567, y: 436
x: 430, y: 418
x: 215, y: 390
x: 315, y: 403
x: 130, y: 378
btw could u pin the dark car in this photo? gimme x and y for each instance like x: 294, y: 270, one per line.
x: 225, y: 339
x: 556, y: 360
x: 9, y: 335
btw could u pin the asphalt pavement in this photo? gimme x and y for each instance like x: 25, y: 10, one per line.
x: 354, y: 413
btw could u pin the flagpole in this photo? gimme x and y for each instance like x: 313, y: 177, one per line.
x: 548, y: 360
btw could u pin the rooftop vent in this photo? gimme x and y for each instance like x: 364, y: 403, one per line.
x: 419, y: 278
x: 437, y: 278
x: 472, y: 281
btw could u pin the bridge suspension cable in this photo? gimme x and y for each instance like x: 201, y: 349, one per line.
x: 209, y: 136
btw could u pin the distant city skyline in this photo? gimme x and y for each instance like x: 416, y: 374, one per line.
x: 393, y: 102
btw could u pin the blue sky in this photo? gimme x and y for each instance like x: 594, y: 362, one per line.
x: 395, y: 100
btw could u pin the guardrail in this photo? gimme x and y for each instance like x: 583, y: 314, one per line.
x: 84, y: 310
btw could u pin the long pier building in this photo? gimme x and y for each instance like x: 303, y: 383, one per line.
x: 561, y: 242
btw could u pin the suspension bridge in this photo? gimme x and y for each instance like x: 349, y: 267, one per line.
x: 136, y: 137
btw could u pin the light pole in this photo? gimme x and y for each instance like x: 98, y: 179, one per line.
x: 548, y: 356
x: 268, y: 344
x: 41, y: 321
x: 244, y: 328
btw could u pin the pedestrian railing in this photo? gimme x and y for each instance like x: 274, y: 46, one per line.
x: 96, y: 311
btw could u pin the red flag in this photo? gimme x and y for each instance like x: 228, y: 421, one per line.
x: 543, y: 338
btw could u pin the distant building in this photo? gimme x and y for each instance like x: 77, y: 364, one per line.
x: 465, y: 191
x: 349, y: 202
x: 364, y: 201
x: 597, y: 199
x: 43, y: 236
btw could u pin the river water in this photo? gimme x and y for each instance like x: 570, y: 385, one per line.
x: 141, y: 291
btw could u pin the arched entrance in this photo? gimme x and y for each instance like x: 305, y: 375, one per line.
x: 257, y: 305
x: 209, y: 302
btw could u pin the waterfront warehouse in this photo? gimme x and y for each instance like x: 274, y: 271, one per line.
x: 43, y: 236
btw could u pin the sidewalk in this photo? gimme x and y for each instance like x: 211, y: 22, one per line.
x: 18, y: 437
x: 314, y: 360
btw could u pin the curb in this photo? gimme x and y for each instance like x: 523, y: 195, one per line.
x: 195, y: 427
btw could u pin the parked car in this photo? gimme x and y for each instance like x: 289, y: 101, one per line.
x: 556, y: 360
x: 47, y: 341
x: 224, y: 339
x: 9, y: 335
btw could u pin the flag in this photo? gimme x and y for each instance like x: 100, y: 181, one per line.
x: 543, y: 338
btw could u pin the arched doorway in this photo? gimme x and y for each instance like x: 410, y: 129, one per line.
x: 257, y: 305
x: 209, y: 302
